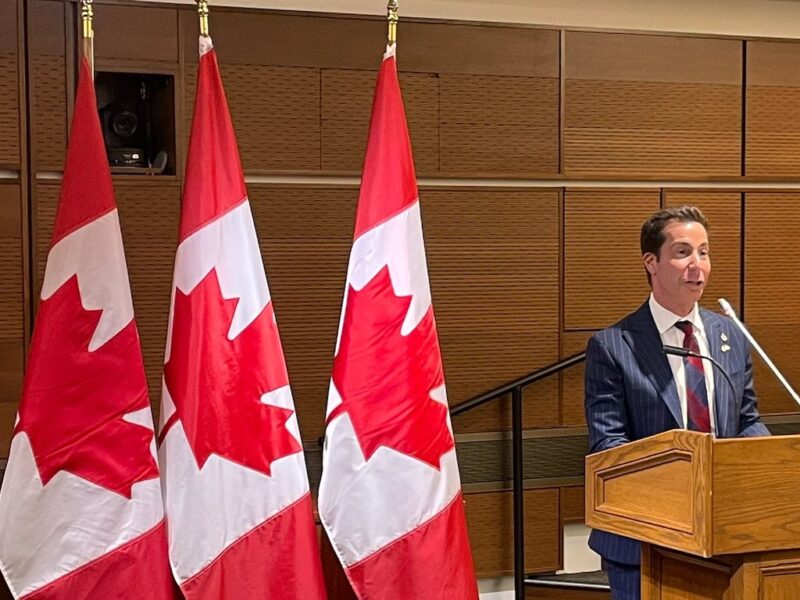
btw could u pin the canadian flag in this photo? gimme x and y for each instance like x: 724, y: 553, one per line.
x: 390, y: 498
x: 81, y: 514
x: 236, y: 490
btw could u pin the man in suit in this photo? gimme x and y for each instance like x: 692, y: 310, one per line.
x: 634, y: 390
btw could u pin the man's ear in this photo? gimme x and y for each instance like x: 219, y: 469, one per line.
x: 649, y: 259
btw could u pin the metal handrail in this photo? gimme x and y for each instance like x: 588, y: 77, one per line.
x: 522, y: 382
x: 515, y: 387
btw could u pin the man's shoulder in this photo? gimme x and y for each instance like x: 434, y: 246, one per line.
x: 635, y: 320
x: 714, y: 318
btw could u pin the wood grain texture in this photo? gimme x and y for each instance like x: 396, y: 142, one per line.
x: 275, y: 112
x: 491, y: 532
x: 346, y: 107
x: 503, y: 125
x: 495, y: 292
x: 756, y: 502
x: 9, y: 110
x: 770, y: 275
x: 12, y: 308
x: 773, y: 109
x: 47, y: 84
x: 306, y: 262
x: 656, y: 490
x: 572, y: 391
x: 604, y: 278
x: 573, y: 503
x: 487, y: 103
x: 469, y: 270
x: 651, y: 105
x: 670, y: 575
x: 341, y: 42
x: 543, y: 593
x: 9, y: 85
x: 11, y: 361
x: 141, y: 33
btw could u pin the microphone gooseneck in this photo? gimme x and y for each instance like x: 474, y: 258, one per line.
x: 728, y: 310
x: 683, y: 352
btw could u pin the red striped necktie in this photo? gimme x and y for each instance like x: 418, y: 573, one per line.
x: 696, y: 392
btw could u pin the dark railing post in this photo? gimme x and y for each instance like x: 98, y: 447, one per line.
x: 519, y: 506
x: 515, y: 387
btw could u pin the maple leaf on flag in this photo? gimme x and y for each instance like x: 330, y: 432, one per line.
x: 74, y: 401
x: 385, y: 379
x: 217, y: 383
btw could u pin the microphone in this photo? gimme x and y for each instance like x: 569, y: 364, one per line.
x: 683, y: 352
x: 728, y: 309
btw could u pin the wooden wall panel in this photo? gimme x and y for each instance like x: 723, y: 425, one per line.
x: 652, y: 106
x: 346, y: 105
x: 48, y: 83
x: 572, y: 504
x: 45, y: 203
x: 603, y: 274
x: 724, y: 213
x: 771, y: 286
x: 136, y: 33
x: 496, y: 124
x: 572, y: 393
x: 12, y: 330
x: 149, y: 215
x: 275, y: 112
x: 306, y: 262
x: 307, y: 259
x: 341, y: 42
x: 773, y: 109
x: 489, y: 519
x: 494, y: 276
x: 464, y: 117
x: 9, y: 89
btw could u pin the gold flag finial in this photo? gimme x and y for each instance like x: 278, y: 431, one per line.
x: 87, y: 16
x: 202, y: 10
x: 87, y: 40
x: 391, y: 16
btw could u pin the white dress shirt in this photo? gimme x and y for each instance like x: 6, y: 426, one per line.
x: 665, y: 323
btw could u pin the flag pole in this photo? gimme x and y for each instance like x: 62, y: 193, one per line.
x: 391, y: 16
x: 202, y: 11
x: 87, y: 39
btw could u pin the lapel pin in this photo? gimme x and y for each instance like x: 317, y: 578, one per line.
x: 725, y: 347
x: 723, y: 337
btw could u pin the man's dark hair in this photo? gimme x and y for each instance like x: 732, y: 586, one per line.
x: 652, y: 237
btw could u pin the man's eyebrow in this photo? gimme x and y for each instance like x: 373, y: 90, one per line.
x: 684, y: 243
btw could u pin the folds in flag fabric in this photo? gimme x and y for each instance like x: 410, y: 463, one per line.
x: 236, y: 491
x: 390, y: 497
x: 81, y: 512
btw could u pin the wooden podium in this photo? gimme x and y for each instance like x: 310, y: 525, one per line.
x: 720, y: 519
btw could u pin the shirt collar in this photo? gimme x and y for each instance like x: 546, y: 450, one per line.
x: 666, y: 318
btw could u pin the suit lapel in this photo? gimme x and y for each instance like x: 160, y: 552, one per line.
x: 645, y: 341
x: 722, y: 392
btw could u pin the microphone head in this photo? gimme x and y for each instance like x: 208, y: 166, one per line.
x: 726, y: 307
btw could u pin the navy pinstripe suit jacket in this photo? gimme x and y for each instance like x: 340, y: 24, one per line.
x: 631, y: 394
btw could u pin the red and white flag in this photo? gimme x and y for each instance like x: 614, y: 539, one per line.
x: 236, y: 489
x: 390, y: 497
x: 81, y: 514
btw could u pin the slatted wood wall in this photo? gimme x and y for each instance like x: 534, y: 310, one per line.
x: 521, y: 275
x: 12, y: 223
